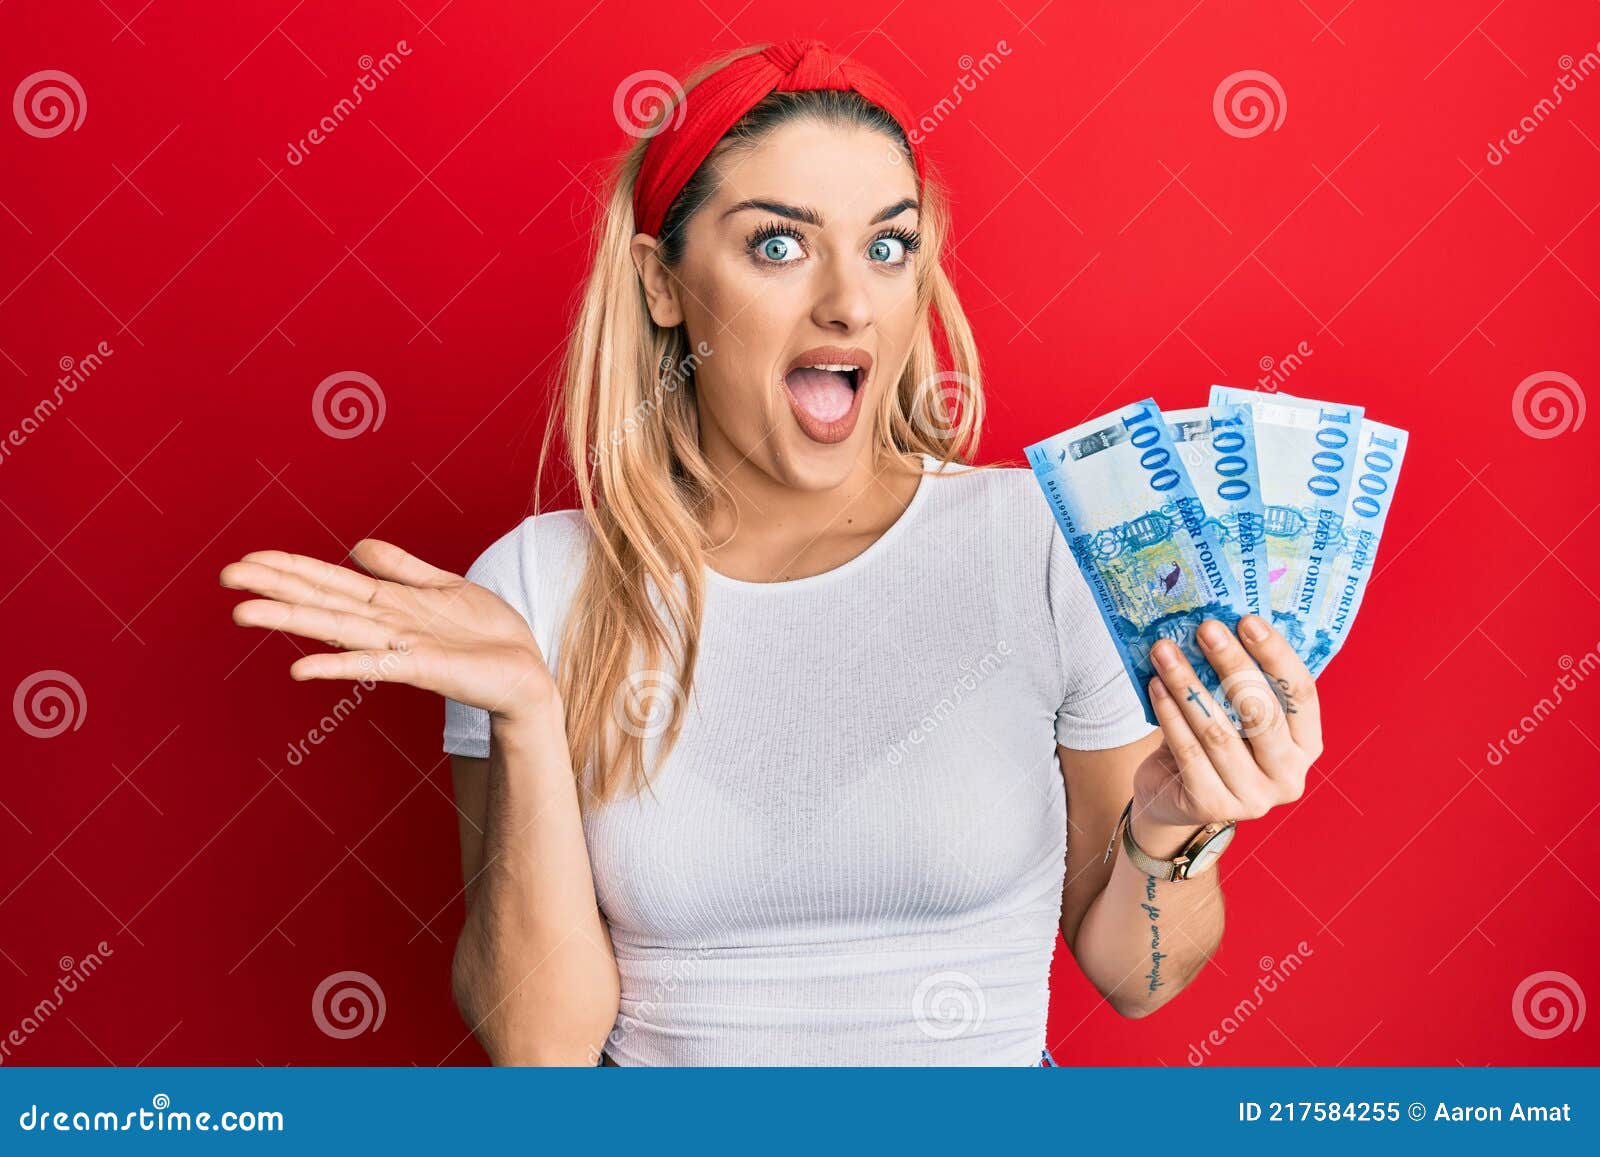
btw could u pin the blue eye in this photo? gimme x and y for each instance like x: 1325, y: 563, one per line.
x: 887, y: 249
x: 894, y: 246
x: 780, y: 248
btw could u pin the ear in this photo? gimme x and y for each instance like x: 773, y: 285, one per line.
x: 660, y: 288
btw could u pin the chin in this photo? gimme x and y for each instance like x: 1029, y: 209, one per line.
x: 806, y: 465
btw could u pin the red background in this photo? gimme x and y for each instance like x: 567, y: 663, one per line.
x: 1112, y: 242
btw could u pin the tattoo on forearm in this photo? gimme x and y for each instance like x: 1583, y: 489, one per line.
x: 1156, y: 955
x: 1194, y: 697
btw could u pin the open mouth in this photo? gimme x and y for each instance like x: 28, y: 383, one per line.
x: 824, y: 392
x: 824, y: 386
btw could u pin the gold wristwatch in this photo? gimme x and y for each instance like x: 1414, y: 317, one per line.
x: 1198, y: 855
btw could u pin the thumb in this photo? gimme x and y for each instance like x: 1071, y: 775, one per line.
x: 386, y: 560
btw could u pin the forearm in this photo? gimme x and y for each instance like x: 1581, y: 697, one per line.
x: 534, y: 973
x: 1142, y: 939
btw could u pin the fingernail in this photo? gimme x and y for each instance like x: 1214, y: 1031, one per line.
x: 1158, y: 689
x: 1253, y: 627
x: 1212, y: 633
x: 1165, y: 654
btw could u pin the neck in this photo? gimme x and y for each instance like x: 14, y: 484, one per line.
x: 764, y: 529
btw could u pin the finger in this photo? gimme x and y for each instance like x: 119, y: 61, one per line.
x: 373, y: 666
x: 336, y: 628
x: 1263, y: 723
x: 1201, y: 784
x: 323, y: 575
x: 1293, y: 682
x: 1209, y: 723
x: 386, y: 560
x: 285, y: 586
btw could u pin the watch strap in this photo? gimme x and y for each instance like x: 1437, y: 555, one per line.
x: 1173, y: 869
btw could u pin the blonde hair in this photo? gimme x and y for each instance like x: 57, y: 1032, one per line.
x: 631, y: 432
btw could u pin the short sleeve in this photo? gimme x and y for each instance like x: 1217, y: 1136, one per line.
x: 1100, y: 706
x: 507, y: 569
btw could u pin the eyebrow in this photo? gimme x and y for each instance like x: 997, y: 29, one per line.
x: 809, y: 215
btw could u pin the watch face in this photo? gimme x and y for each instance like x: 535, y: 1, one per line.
x: 1213, y: 848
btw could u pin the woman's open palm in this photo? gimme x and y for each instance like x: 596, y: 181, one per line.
x: 406, y: 621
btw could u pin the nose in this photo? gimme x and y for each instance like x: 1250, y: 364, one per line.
x: 844, y: 299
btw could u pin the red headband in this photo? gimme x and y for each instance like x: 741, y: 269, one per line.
x: 714, y: 105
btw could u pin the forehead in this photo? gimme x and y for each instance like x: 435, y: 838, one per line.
x: 845, y: 173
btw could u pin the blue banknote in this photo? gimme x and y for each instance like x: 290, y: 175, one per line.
x: 1380, y: 449
x: 1218, y: 448
x: 1306, y: 455
x: 1141, y: 536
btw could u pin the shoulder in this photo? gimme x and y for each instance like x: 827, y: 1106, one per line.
x: 994, y: 526
x: 537, y: 543
x: 535, y: 566
x: 1002, y: 512
x: 1003, y: 507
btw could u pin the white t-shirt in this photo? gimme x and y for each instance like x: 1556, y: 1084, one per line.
x: 855, y: 853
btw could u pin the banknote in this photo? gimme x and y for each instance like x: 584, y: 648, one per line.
x: 1141, y: 536
x: 1218, y: 448
x: 1380, y: 449
x: 1306, y: 455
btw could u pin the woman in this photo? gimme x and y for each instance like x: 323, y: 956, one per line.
x: 879, y: 679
